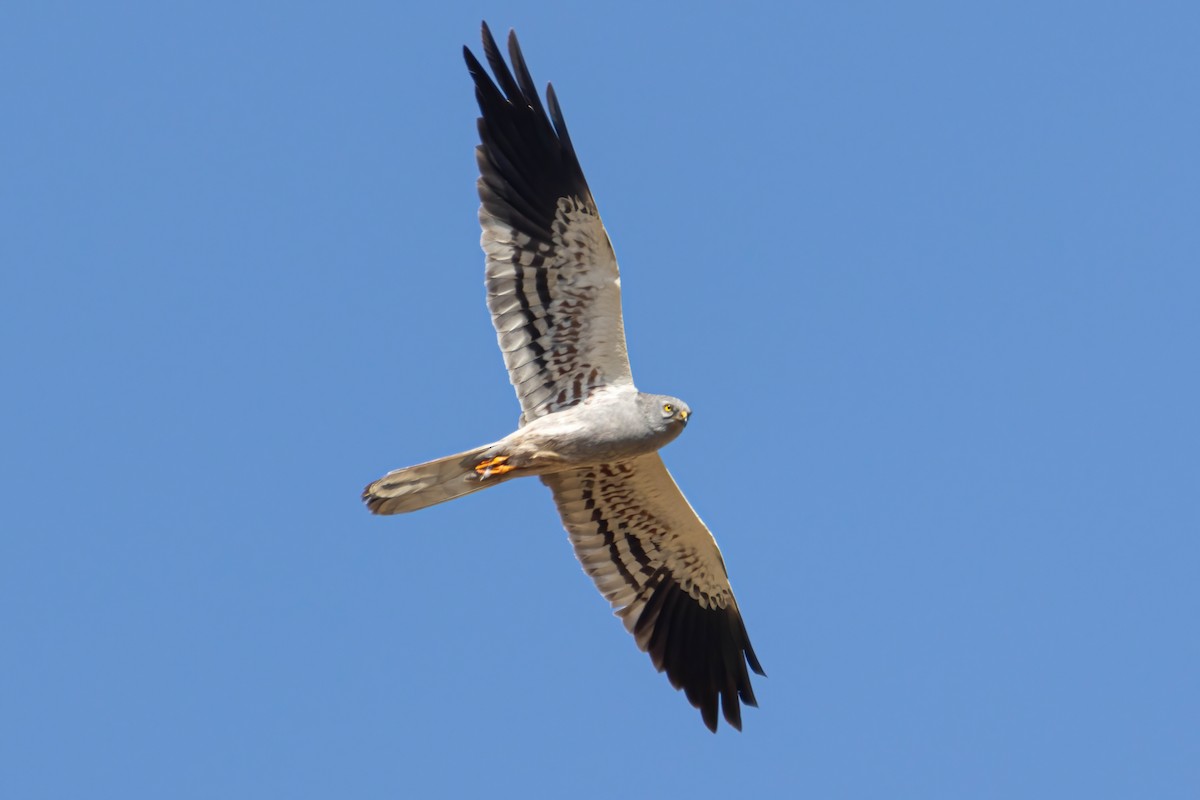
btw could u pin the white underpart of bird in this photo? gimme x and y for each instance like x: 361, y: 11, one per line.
x: 554, y: 292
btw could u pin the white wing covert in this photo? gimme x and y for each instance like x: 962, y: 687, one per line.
x: 552, y: 280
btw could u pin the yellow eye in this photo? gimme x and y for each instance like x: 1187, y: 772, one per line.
x: 668, y: 409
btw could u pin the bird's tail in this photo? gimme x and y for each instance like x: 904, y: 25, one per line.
x: 412, y: 488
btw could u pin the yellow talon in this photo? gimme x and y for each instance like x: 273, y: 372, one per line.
x: 495, y: 466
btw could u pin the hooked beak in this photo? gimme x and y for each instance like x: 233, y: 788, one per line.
x: 683, y: 416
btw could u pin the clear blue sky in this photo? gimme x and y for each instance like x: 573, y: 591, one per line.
x: 929, y: 275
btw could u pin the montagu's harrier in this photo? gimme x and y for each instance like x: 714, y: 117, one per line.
x: 585, y: 430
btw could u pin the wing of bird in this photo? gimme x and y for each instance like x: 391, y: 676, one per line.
x: 653, y: 558
x: 552, y: 281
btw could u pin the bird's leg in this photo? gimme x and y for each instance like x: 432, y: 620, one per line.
x: 493, y: 466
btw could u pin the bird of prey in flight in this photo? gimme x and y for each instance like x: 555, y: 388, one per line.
x: 585, y: 430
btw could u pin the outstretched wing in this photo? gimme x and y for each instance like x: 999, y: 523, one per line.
x: 656, y: 562
x: 552, y: 281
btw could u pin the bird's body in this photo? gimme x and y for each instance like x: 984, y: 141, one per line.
x: 585, y: 430
x: 634, y: 424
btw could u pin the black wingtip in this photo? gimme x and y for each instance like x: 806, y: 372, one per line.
x: 753, y: 659
x: 526, y: 162
x: 704, y: 651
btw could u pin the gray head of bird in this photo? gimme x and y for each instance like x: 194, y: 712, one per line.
x: 665, y: 413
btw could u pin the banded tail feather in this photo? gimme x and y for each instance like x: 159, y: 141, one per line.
x: 424, y: 485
